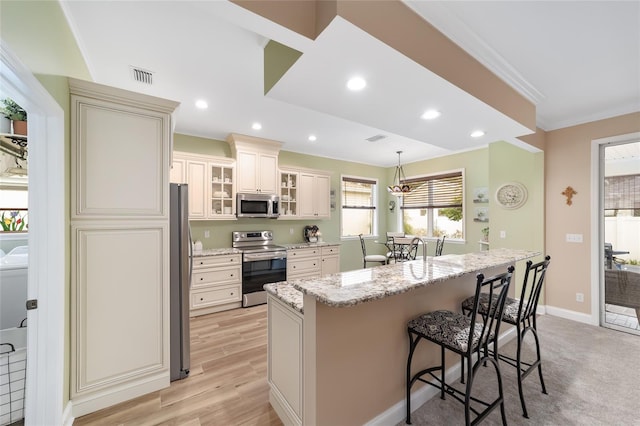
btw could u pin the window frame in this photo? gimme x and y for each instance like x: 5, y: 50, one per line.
x: 430, y: 211
x: 374, y: 201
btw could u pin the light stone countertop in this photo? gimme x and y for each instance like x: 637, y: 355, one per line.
x: 287, y: 294
x: 218, y: 252
x: 292, y: 246
x: 364, y: 285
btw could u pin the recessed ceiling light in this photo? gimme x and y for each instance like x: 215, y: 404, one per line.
x: 202, y: 104
x: 477, y: 133
x: 256, y: 126
x: 430, y: 114
x: 312, y: 138
x: 356, y: 83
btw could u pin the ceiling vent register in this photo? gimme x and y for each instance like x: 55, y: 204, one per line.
x: 142, y: 76
x: 376, y: 138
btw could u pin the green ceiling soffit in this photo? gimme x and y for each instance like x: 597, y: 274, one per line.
x: 278, y: 58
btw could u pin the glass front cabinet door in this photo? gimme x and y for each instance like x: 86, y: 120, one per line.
x: 222, y: 193
x: 288, y: 194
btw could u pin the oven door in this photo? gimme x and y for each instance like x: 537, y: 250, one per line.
x: 258, y: 270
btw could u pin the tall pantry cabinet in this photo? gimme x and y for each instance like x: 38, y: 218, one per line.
x: 120, y: 155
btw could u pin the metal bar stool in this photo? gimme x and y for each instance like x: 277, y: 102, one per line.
x: 439, y: 246
x: 522, y: 314
x: 463, y: 335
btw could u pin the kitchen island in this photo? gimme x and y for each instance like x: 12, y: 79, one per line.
x: 338, y: 344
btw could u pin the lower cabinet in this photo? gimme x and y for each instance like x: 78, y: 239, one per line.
x: 303, y: 263
x: 313, y: 262
x: 216, y: 284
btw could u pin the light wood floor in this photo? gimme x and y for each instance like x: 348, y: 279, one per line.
x: 227, y: 384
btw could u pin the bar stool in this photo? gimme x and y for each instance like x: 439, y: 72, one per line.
x: 453, y: 331
x: 439, y: 246
x: 522, y: 314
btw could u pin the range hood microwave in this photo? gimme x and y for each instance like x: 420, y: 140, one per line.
x: 257, y: 205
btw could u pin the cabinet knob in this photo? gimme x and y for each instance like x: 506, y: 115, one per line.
x: 201, y: 279
x: 231, y: 293
x: 232, y: 275
x: 201, y: 299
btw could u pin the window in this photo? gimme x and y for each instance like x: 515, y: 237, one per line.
x: 622, y: 195
x: 358, y: 206
x: 434, y: 207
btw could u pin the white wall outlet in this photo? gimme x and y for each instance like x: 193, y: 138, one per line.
x: 503, y: 234
x: 291, y: 231
x: 207, y: 233
x: 574, y: 238
x: 579, y: 297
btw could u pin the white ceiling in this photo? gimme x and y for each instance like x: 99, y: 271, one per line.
x: 577, y: 61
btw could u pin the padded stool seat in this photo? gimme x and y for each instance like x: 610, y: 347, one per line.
x: 511, y: 307
x: 448, y: 328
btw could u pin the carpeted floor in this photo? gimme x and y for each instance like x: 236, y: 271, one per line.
x: 592, y: 375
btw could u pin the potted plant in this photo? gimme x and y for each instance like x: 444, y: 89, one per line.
x: 16, y: 114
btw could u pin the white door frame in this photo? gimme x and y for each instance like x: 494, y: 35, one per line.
x: 597, y: 223
x: 47, y: 240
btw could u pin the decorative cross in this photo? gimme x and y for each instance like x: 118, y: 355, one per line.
x: 569, y: 193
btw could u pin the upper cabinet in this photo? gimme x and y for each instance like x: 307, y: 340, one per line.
x: 211, y: 183
x: 304, y: 193
x: 314, y: 195
x: 257, y: 163
x: 119, y: 154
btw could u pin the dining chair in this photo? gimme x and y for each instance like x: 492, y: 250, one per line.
x: 394, y: 250
x: 374, y: 258
x: 439, y: 246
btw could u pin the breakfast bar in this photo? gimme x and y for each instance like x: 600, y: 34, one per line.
x: 338, y: 344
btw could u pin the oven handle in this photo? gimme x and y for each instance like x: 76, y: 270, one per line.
x: 248, y: 257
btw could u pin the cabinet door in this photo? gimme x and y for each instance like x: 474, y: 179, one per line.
x: 115, y: 174
x: 330, y: 265
x: 178, y: 174
x: 268, y: 169
x: 321, y: 190
x: 196, y: 179
x: 120, y: 298
x: 247, y: 171
x: 306, y: 195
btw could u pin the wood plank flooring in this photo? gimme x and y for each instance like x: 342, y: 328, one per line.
x: 227, y: 384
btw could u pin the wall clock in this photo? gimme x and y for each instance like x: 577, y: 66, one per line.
x: 511, y: 195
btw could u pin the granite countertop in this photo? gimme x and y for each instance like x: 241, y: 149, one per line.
x: 217, y: 252
x: 364, y: 285
x: 292, y: 246
x: 286, y: 293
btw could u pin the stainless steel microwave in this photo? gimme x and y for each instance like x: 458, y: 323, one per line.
x: 257, y: 205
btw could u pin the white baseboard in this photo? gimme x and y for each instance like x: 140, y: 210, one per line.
x: 572, y: 315
x: 67, y: 414
x: 397, y: 412
x: 282, y: 408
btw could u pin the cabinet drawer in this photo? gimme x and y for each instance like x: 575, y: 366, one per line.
x: 216, y: 296
x: 331, y: 250
x: 302, y: 252
x: 207, y: 277
x: 300, y: 265
x: 206, y: 261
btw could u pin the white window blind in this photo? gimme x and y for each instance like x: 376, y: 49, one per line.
x: 438, y: 191
x: 357, y: 193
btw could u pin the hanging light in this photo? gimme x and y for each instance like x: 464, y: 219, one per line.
x: 399, y: 186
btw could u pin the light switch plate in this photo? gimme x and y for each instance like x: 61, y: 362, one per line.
x: 574, y: 238
x: 207, y: 234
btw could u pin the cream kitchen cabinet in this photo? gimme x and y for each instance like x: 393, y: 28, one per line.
x: 330, y: 260
x: 178, y: 172
x: 256, y: 162
x: 288, y: 194
x: 314, y: 195
x: 120, y: 154
x: 216, y: 284
x: 211, y: 183
x: 303, y: 263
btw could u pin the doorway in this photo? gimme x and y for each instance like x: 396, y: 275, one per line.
x: 44, y: 389
x: 620, y: 227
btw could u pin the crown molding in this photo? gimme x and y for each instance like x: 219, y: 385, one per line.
x: 445, y: 21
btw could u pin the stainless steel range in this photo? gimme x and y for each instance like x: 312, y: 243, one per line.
x: 262, y: 262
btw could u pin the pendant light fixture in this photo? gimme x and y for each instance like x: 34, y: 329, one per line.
x: 399, y: 186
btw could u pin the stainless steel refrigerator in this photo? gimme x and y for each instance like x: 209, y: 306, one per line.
x: 180, y: 272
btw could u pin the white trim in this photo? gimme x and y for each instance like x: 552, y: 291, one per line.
x: 67, y: 415
x: 47, y: 236
x: 597, y: 224
x: 571, y: 315
x: 397, y: 412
